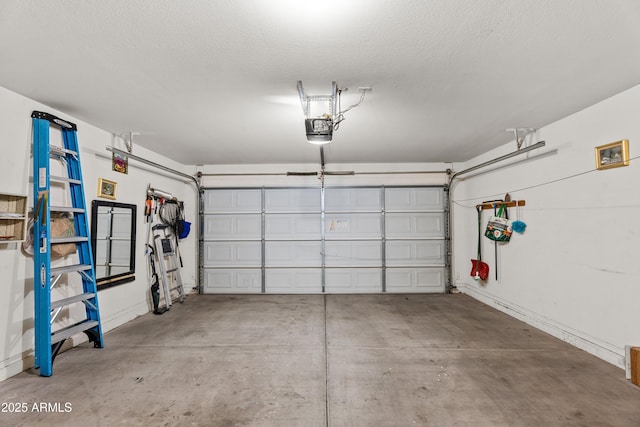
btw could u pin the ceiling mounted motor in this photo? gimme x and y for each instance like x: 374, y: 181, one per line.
x: 319, y: 112
x: 323, y: 113
x: 319, y: 130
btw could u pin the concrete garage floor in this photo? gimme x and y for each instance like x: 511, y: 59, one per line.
x: 339, y: 360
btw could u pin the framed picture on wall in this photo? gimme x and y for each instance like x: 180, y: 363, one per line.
x: 613, y: 155
x: 120, y: 163
x: 107, y: 189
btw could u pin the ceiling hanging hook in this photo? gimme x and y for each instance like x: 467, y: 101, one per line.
x: 517, y: 132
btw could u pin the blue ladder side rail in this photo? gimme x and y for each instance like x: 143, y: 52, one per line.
x: 48, y: 343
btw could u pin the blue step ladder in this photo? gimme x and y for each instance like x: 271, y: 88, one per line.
x: 48, y: 343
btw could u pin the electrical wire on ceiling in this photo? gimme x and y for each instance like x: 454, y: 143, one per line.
x: 340, y: 116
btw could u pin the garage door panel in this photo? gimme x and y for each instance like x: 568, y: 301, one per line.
x: 415, y: 280
x: 233, y: 227
x: 274, y: 240
x: 293, y: 280
x: 238, y: 201
x: 232, y: 254
x: 293, y: 226
x: 414, y: 225
x: 292, y: 200
x: 414, y: 199
x: 353, y: 254
x: 353, y: 280
x: 353, y: 199
x: 415, y: 252
x: 353, y: 226
x: 232, y: 281
x: 293, y: 254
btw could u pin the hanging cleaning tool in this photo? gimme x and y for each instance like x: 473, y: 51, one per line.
x: 495, y: 248
x: 155, y: 284
x: 517, y: 225
x: 479, y: 269
x: 493, y: 204
x: 48, y: 342
x: 152, y: 274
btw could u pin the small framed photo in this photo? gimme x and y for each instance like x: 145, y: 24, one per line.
x: 107, y: 189
x: 613, y: 155
x: 120, y: 163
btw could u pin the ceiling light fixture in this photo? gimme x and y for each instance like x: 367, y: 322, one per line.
x: 323, y: 114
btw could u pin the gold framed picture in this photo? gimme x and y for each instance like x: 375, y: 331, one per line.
x: 107, y: 189
x: 613, y: 155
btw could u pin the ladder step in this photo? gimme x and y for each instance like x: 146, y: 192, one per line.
x: 64, y: 179
x: 59, y: 151
x: 69, y: 269
x: 66, y: 209
x: 75, y: 239
x: 71, y: 300
x: 70, y: 331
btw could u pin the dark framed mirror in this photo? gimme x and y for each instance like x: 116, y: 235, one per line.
x: 113, y: 242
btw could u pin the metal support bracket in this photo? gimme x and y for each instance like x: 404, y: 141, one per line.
x: 520, y: 134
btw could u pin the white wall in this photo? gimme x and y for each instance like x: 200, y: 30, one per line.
x: 118, y: 304
x: 575, y: 271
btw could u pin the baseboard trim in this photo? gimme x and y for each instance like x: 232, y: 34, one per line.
x: 124, y: 316
x: 602, y: 350
x: 18, y: 363
x: 15, y: 364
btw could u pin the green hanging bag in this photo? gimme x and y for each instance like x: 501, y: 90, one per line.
x: 499, y: 227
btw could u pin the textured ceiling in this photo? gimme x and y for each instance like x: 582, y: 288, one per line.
x: 214, y: 82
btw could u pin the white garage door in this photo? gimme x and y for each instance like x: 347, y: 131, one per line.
x: 342, y: 240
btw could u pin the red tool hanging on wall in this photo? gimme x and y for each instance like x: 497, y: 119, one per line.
x: 479, y: 269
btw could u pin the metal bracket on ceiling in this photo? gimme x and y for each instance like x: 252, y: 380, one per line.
x: 307, y: 100
x: 520, y: 134
x: 128, y: 139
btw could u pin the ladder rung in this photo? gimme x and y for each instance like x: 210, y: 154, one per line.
x: 66, y: 209
x: 75, y: 239
x: 70, y: 331
x: 64, y: 179
x: 71, y: 300
x: 69, y: 269
x: 172, y: 270
x: 59, y: 151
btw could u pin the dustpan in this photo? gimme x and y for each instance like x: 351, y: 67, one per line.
x: 479, y: 269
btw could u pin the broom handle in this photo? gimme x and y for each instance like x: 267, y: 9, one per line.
x: 479, y: 210
x: 495, y: 245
